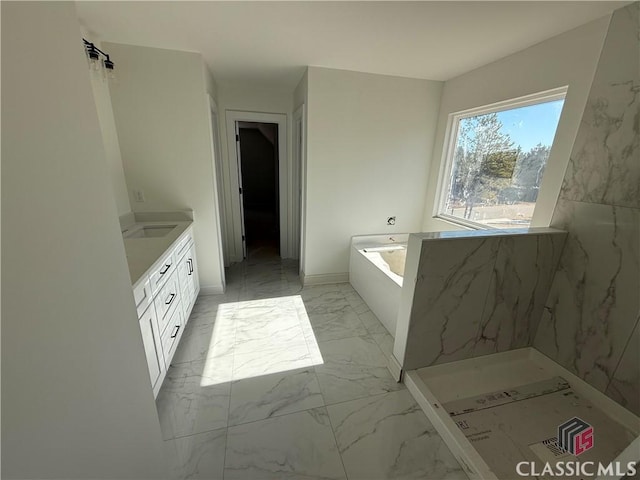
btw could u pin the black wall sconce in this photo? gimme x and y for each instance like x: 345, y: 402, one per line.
x: 95, y: 64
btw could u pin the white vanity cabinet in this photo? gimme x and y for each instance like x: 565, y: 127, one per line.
x: 188, y: 276
x: 151, y: 342
x: 164, y: 296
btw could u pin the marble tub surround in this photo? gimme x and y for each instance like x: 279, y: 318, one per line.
x: 590, y: 325
x: 224, y: 417
x: 474, y: 293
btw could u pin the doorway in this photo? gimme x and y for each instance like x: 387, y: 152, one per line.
x: 258, y: 174
x: 233, y: 171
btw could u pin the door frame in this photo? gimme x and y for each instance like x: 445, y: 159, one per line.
x: 232, y: 117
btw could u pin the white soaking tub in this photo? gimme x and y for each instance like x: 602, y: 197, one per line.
x: 376, y: 270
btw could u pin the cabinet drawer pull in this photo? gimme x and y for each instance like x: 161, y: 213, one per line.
x: 176, y: 332
x: 190, y: 263
x: 170, y: 299
x: 167, y: 266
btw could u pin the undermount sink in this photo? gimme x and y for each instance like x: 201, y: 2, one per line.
x: 148, y: 231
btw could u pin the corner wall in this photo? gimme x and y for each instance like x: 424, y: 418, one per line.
x: 301, y: 101
x: 369, y: 142
x: 568, y: 59
x: 102, y: 97
x: 591, y: 322
x: 76, y: 396
x: 162, y: 116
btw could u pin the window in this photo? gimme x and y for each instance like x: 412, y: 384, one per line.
x: 496, y: 160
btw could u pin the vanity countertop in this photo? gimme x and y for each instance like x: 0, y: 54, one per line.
x: 143, y: 253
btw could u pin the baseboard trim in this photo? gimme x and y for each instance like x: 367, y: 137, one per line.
x: 211, y: 290
x: 395, y: 368
x: 325, y: 278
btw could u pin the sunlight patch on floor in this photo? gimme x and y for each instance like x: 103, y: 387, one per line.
x: 260, y: 337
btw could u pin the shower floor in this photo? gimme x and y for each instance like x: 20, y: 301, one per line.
x: 499, y: 410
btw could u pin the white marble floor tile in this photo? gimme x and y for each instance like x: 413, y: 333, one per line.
x: 332, y: 326
x: 201, y: 341
x: 296, y: 446
x: 195, y: 398
x: 323, y: 298
x: 388, y: 436
x: 356, y: 302
x: 262, y: 311
x: 385, y: 342
x: 198, y: 456
x: 207, y: 307
x: 259, y: 363
x: 245, y: 396
x: 353, y: 368
x: 330, y: 302
x: 372, y: 324
x: 279, y: 334
x: 273, y: 395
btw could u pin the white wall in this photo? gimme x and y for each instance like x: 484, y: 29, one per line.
x: 568, y: 59
x: 248, y: 99
x: 76, y: 396
x: 369, y: 143
x: 162, y: 116
x: 301, y: 91
x: 300, y: 101
x: 100, y: 88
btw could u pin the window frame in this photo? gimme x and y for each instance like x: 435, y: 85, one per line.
x: 451, y: 138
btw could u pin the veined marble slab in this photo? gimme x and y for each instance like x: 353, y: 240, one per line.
x: 450, y: 292
x: 604, y: 166
x: 624, y: 387
x: 479, y: 295
x: 517, y: 292
x: 593, y: 303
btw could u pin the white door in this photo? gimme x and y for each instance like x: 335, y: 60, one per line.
x: 238, y: 155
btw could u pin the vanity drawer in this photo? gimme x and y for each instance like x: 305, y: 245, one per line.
x: 182, y: 246
x: 161, y: 271
x: 166, y: 300
x: 171, y: 335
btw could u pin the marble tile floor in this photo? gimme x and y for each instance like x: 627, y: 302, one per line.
x: 275, y: 381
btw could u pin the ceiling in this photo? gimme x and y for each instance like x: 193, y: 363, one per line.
x: 268, y: 44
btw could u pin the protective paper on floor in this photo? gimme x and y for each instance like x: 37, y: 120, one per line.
x: 525, y: 430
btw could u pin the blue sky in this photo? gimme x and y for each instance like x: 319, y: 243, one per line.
x: 531, y: 125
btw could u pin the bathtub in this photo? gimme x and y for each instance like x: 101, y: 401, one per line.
x: 376, y: 270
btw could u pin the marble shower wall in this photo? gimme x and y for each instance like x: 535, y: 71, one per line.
x: 476, y: 293
x: 590, y: 322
